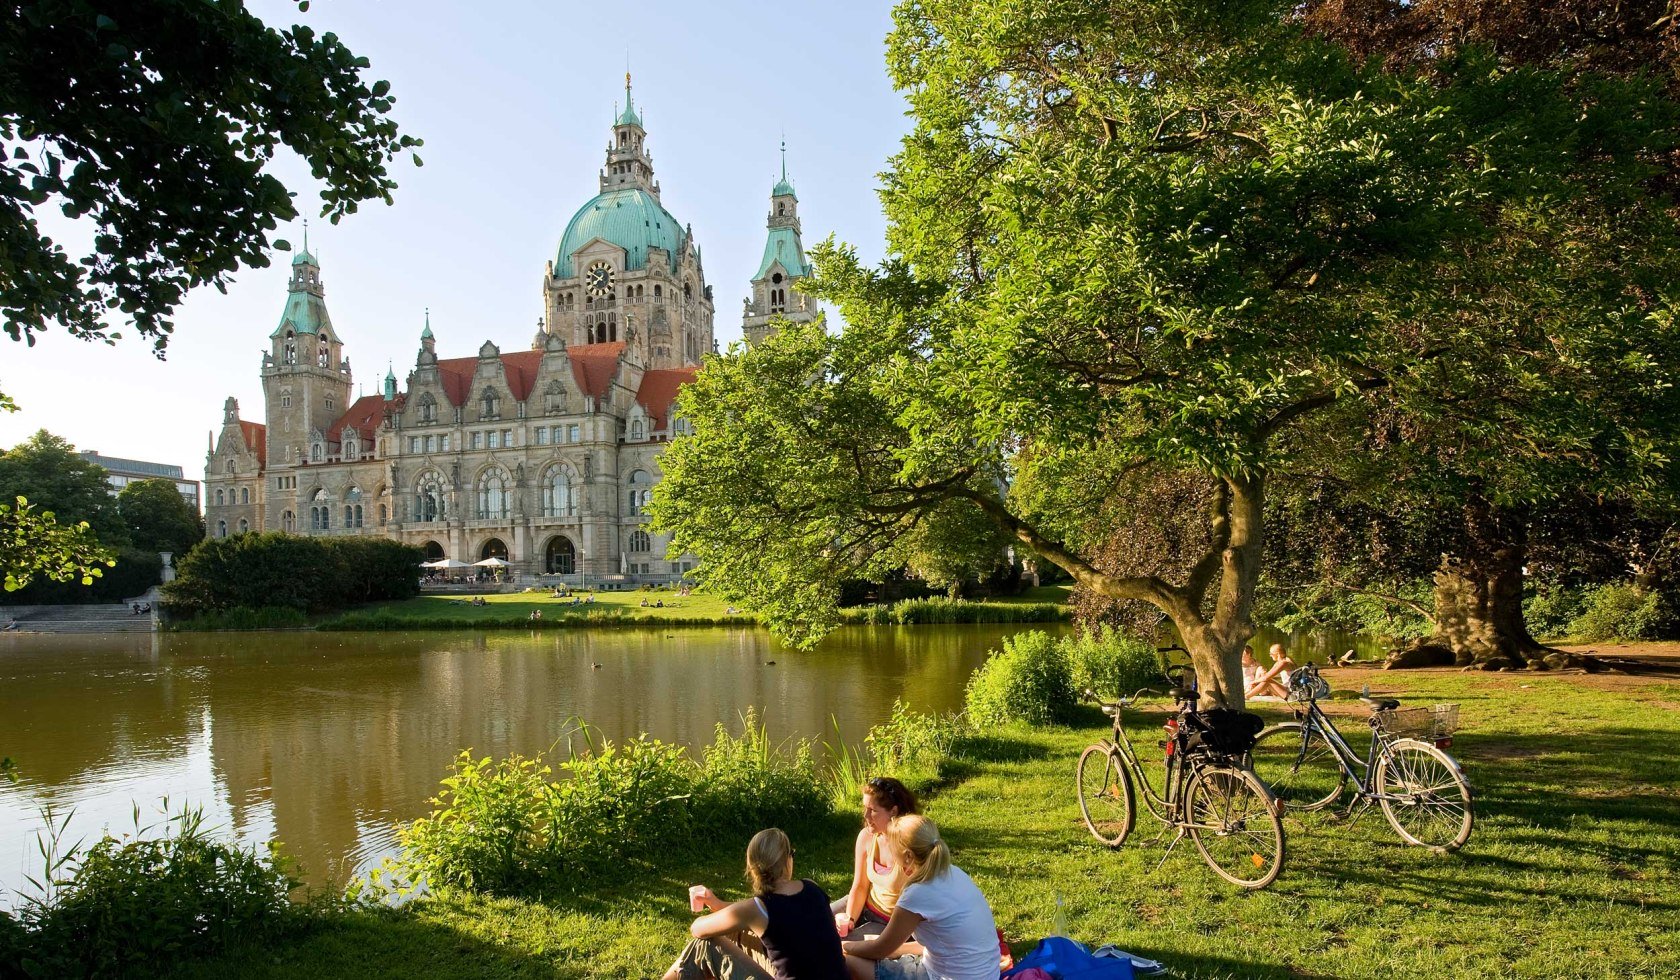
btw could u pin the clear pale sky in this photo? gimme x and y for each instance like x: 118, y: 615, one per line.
x: 514, y: 101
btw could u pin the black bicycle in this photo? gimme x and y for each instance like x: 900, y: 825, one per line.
x: 1209, y: 794
x: 1406, y: 770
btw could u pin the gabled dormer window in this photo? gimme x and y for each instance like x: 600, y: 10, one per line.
x: 489, y: 405
x: 428, y: 408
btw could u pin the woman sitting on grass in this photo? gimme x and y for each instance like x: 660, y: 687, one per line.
x: 956, y: 937
x: 1274, y: 681
x: 876, y: 876
x: 791, y: 929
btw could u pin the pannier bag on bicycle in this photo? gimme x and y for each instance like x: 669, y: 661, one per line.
x: 1221, y: 731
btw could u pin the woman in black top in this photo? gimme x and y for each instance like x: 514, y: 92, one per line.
x: 791, y: 926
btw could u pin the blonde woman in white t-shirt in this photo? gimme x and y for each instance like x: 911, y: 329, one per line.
x: 942, y: 905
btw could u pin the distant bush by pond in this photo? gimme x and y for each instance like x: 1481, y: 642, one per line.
x: 1037, y: 678
x: 944, y: 610
x: 525, y: 826
x: 139, y: 905
x: 1623, y: 611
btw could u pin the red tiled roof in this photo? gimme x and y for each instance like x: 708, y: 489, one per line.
x: 256, y: 437
x: 363, y: 415
x: 593, y: 366
x: 659, y: 391
x: 520, y: 369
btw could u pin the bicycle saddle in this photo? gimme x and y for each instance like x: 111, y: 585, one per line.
x: 1183, y: 694
x: 1111, y: 710
x: 1380, y: 704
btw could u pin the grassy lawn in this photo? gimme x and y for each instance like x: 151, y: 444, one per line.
x: 1570, y: 872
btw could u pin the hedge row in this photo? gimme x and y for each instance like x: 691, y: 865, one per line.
x: 292, y: 572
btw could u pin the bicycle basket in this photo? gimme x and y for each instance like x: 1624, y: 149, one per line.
x: 1221, y: 731
x: 1435, y: 721
x: 1303, y: 687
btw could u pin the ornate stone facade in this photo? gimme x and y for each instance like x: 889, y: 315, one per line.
x: 543, y: 457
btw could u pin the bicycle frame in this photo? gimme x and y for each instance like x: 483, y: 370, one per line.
x: 1315, y: 719
x: 1163, y: 806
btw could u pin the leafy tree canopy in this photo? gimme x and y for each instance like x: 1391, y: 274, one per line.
x: 33, y: 544
x: 1192, y: 239
x: 156, y: 122
x: 159, y: 518
x: 46, y: 469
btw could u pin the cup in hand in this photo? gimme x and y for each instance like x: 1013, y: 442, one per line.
x: 697, y: 897
x: 843, y: 925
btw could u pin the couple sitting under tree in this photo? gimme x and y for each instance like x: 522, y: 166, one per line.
x: 1260, y: 681
x: 904, y: 885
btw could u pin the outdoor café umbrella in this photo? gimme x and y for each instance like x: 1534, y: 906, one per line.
x: 448, y: 563
x: 490, y: 563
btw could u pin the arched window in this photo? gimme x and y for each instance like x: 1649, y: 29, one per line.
x: 781, y: 209
x: 489, y: 405
x: 554, y: 398
x: 244, y: 525
x: 384, y: 505
x: 316, y: 452
x: 218, y: 498
x: 560, y: 557
x: 636, y: 430
x: 230, y: 466
x: 656, y: 291
x: 244, y: 495
x: 324, y: 354
x: 353, y: 507
x: 493, y: 495
x: 429, y: 500
x: 688, y: 290
x: 290, y: 354
x: 288, y: 523
x: 350, y: 449
x: 320, y: 511
x: 434, y: 551
x: 428, y: 408
x: 640, y: 488
x: 640, y: 542
x: 559, y: 492
x: 221, y: 529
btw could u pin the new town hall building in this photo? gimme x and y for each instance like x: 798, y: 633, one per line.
x: 543, y: 457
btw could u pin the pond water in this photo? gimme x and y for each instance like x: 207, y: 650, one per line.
x: 327, y: 741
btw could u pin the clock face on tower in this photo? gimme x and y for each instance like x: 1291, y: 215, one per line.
x: 599, y: 279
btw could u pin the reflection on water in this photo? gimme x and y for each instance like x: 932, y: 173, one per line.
x: 327, y: 741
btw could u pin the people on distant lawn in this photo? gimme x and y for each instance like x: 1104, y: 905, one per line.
x: 956, y: 937
x: 1271, y: 681
x: 785, y: 931
x: 877, y: 877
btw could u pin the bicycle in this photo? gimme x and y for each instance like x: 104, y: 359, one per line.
x: 1406, y: 771
x: 1208, y: 796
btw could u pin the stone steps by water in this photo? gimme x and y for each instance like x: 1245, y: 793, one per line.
x: 105, y: 618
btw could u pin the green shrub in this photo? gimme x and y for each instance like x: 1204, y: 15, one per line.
x: 944, y: 610
x: 1550, y: 608
x: 1622, y: 611
x: 140, y: 904
x: 1028, y: 680
x: 293, y: 572
x: 520, y: 826
x: 913, y: 746
x: 14, y: 945
x: 1111, y: 661
x: 747, y: 783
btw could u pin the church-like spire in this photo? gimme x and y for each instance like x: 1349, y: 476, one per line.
x: 629, y: 165
x: 629, y: 117
x: 390, y: 382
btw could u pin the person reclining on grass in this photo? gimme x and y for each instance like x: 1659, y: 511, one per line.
x: 1273, y: 682
x: 877, y: 879
x: 784, y: 932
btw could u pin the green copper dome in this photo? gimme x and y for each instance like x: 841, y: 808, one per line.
x: 783, y: 188
x: 628, y: 217
x: 304, y: 258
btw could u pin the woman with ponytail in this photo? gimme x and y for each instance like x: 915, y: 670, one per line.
x: 941, y: 904
x: 791, y: 928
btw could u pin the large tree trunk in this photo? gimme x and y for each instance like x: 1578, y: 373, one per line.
x: 1479, y: 597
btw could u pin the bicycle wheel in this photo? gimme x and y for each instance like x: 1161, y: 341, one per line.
x: 1303, y: 776
x: 1106, y: 800
x: 1233, y: 820
x: 1424, y: 795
